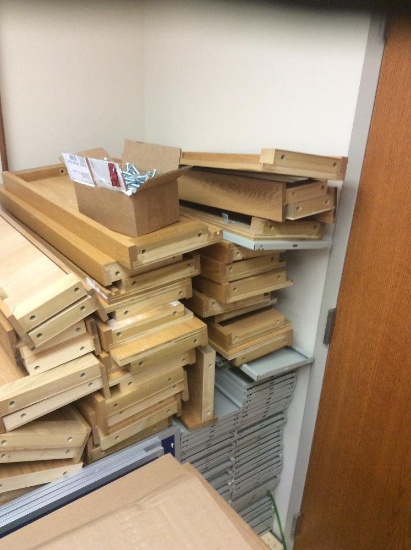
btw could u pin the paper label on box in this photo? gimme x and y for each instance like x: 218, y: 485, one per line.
x: 78, y: 169
x: 107, y: 174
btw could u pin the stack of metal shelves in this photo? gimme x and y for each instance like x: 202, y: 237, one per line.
x: 240, y: 454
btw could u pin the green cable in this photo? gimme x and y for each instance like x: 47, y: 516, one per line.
x: 277, y: 515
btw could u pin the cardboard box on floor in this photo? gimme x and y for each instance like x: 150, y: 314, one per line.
x: 161, y: 505
x: 154, y: 206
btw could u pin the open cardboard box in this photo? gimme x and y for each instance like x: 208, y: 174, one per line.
x: 162, y: 505
x: 154, y: 206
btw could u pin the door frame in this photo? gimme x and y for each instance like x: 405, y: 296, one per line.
x: 359, y: 137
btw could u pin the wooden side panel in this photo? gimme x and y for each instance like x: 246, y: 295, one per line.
x: 18, y: 476
x: 221, y: 272
x: 228, y: 252
x: 8, y: 337
x: 37, y: 362
x: 27, y: 390
x: 275, y: 161
x: 57, y: 324
x: 206, y: 306
x: 228, y: 293
x: 310, y: 207
x: 253, y: 197
x: 49, y: 301
x: 140, y: 422
x: 238, y: 330
x: 199, y: 409
x: 78, y: 250
x: 162, y: 343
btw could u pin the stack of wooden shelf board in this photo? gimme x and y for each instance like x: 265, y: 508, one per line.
x: 234, y: 295
x: 275, y: 195
x: 154, y: 351
x: 46, y: 363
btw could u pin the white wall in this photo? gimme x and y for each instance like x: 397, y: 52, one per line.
x: 70, y: 77
x: 235, y: 77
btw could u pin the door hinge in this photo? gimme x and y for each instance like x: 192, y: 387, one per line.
x: 295, y: 524
x: 329, y: 326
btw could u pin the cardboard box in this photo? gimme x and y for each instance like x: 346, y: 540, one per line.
x: 154, y: 206
x: 162, y: 505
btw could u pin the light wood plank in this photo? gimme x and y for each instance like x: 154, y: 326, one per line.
x: 245, y: 288
x: 206, y: 306
x: 147, y: 301
x: 301, y: 191
x: 8, y: 337
x: 71, y: 332
x: 259, y: 348
x: 276, y: 161
x: 88, y: 257
x: 190, y: 333
x: 229, y: 334
x: 55, y: 197
x: 49, y: 301
x: 57, y: 324
x: 238, y: 354
x: 141, y: 422
x: 254, y: 197
x: 24, y: 270
x: 18, y: 476
x: 199, y: 408
x: 188, y: 267
x: 115, y: 332
x: 63, y: 428
x: 228, y: 252
x: 299, y: 229
x: 309, y: 207
x: 33, y: 455
x: 95, y: 452
x: 242, y: 311
x: 125, y: 380
x: 31, y: 412
x: 26, y: 390
x: 220, y: 272
x: 52, y: 357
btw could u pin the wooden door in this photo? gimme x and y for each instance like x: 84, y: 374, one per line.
x: 358, y: 489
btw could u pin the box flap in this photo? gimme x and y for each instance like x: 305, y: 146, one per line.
x: 146, y: 156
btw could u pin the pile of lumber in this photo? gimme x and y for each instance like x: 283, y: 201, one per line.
x: 234, y: 295
x: 152, y: 352
x: 46, y: 363
x: 275, y: 195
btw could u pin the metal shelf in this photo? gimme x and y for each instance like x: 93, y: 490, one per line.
x: 276, y: 363
x: 275, y: 244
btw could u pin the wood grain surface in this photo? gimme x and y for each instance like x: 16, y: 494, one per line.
x: 358, y: 488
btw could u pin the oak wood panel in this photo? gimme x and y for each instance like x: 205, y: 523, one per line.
x: 253, y: 197
x: 358, y: 488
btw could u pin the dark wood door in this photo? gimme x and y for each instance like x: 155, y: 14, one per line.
x: 358, y: 489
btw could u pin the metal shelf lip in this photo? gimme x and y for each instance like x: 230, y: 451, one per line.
x: 276, y: 363
x: 276, y: 244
